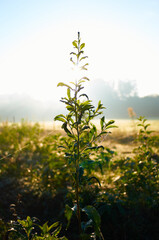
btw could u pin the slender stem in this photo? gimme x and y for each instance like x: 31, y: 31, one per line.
x: 78, y: 150
x: 77, y: 171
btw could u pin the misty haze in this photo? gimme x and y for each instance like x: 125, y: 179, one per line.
x: 117, y: 100
x: 79, y: 120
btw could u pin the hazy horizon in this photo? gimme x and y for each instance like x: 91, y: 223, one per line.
x: 14, y: 107
x: 122, y: 43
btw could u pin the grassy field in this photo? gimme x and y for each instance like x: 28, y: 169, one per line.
x: 124, y: 126
x: 36, y: 180
x: 120, y: 139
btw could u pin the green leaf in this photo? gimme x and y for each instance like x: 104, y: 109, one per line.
x: 61, y: 84
x: 85, y: 127
x: 99, y: 107
x: 53, y: 225
x: 84, y: 106
x: 140, y: 125
x: 111, y: 126
x: 73, y: 53
x: 68, y: 93
x: 22, y: 222
x: 60, y: 117
x: 91, y: 148
x: 78, y: 55
x: 64, y: 126
x: 100, y: 147
x: 68, y: 154
x: 93, y: 132
x: 102, y: 133
x: 75, y: 44
x: 81, y: 81
x: 102, y: 120
x: 94, y: 148
x: 72, y: 61
x: 82, y: 46
x: 95, y: 179
x: 69, y: 212
x: 57, y: 231
x: 149, y: 132
x: 94, y: 216
x: 84, y: 66
x: 86, y: 78
x: 110, y: 123
x: 86, y: 225
x: 146, y: 126
x: 144, y: 120
x: 82, y: 58
x: 27, y: 225
x: 84, y: 95
x: 45, y: 228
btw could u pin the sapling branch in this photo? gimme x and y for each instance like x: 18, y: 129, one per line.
x: 82, y: 133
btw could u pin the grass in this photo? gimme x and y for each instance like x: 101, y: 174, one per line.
x: 120, y: 138
x: 69, y: 177
x: 39, y: 173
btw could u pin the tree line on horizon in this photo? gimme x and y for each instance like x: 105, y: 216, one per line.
x: 16, y: 107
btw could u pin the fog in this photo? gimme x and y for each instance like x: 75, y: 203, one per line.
x: 117, y: 98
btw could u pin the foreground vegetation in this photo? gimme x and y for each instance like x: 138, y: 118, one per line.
x: 78, y: 185
x: 35, y: 181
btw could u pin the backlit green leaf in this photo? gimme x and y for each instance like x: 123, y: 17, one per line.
x: 82, y: 46
x: 75, y: 44
x: 60, y: 117
x: 68, y: 93
x: 61, y: 84
x: 95, y: 179
x: 94, y: 216
x: 82, y: 58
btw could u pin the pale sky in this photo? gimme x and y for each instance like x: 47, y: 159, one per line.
x: 122, y: 43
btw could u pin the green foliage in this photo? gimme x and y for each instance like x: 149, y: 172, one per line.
x: 94, y: 220
x: 27, y: 226
x: 76, y: 180
x: 45, y: 231
x: 28, y: 153
x: 132, y: 200
x: 127, y: 200
x: 139, y: 175
x: 29, y: 230
x: 81, y: 144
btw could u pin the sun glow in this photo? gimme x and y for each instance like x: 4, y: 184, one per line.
x: 76, y: 73
x: 35, y: 65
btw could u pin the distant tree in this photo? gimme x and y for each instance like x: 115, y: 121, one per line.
x: 103, y: 90
x: 127, y: 89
